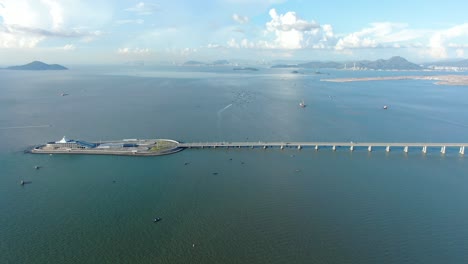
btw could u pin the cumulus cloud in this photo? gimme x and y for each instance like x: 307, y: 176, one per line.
x: 240, y: 19
x: 25, y: 23
x: 438, y: 42
x: 290, y: 31
x: 379, y: 35
x: 143, y: 9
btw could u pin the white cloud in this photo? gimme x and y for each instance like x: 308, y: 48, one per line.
x: 143, y: 9
x: 214, y: 46
x: 457, y: 46
x: 379, y: 35
x: 69, y: 47
x: 55, y: 12
x: 137, y: 51
x: 438, y: 42
x: 25, y: 23
x: 460, y: 53
x: 232, y: 43
x: 187, y: 51
x: 290, y: 31
x: 240, y: 19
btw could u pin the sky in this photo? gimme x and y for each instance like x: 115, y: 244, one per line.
x: 118, y: 31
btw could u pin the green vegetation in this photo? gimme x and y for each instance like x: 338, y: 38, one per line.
x: 162, y: 145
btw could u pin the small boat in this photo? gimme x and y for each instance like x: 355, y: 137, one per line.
x: 385, y: 107
x: 157, y: 219
x: 302, y: 104
x: 37, y: 167
x: 63, y: 94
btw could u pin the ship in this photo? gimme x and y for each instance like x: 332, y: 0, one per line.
x: 302, y: 104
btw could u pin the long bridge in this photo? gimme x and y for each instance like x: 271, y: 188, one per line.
x: 330, y: 145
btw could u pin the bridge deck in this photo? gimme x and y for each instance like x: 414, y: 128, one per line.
x: 318, y: 144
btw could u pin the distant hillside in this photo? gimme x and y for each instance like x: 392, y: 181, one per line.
x: 193, y: 63
x: 200, y: 63
x: 38, y: 66
x: 286, y: 66
x: 245, y: 69
x: 220, y: 62
x: 394, y: 63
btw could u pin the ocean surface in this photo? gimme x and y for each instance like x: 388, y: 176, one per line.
x: 235, y: 205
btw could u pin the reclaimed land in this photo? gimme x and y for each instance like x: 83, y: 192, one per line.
x: 143, y: 147
x: 439, y: 79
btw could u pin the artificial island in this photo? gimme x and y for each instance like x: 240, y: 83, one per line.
x: 126, y: 147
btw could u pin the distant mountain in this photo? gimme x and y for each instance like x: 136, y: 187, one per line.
x: 394, y: 63
x: 37, y: 66
x: 286, y: 66
x: 220, y: 62
x: 193, y: 63
x: 245, y: 69
x: 200, y: 63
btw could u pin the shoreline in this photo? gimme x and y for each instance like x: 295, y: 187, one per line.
x: 134, y: 147
x: 453, y: 80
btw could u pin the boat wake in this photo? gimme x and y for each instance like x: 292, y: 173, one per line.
x: 224, y: 109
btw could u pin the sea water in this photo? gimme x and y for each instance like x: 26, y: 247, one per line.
x: 231, y: 205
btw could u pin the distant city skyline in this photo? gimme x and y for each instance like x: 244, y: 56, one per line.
x: 106, y: 31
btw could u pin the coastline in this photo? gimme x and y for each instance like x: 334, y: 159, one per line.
x: 454, y: 80
x: 134, y: 147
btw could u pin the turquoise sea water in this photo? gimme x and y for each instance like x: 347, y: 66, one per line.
x: 236, y: 205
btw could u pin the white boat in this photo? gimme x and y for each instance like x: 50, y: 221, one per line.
x: 302, y: 104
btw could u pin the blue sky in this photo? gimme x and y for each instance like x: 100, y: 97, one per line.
x: 117, y: 31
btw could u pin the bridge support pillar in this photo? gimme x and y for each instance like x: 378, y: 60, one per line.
x: 316, y: 147
x: 442, y: 150
x: 299, y: 147
x: 334, y: 148
x: 424, y: 149
x: 351, y: 148
x: 369, y: 148
x: 405, y: 149
x: 214, y: 146
x: 282, y: 147
x: 264, y: 147
x: 462, y: 150
x: 387, y: 149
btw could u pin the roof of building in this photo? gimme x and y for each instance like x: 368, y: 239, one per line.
x: 64, y: 140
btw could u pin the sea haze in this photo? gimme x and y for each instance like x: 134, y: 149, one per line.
x: 234, y: 205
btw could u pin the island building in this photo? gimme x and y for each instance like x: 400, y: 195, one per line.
x: 80, y: 144
x: 71, y: 143
x: 138, y: 147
